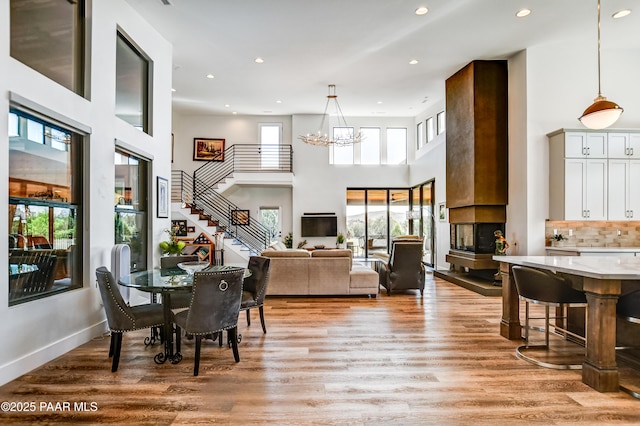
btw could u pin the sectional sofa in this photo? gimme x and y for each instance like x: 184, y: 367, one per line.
x: 298, y: 272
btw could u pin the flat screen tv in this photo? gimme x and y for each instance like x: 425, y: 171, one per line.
x: 319, y: 226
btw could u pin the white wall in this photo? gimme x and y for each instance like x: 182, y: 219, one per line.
x: 41, y: 330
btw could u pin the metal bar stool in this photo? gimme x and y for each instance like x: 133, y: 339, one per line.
x: 549, y: 290
x: 628, y: 308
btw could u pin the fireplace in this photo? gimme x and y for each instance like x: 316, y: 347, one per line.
x: 474, y: 237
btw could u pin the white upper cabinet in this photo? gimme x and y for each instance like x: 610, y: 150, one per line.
x: 623, y: 145
x: 585, y: 145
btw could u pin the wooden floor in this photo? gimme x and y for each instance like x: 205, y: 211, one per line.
x: 394, y: 360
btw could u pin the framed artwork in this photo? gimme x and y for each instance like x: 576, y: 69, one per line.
x: 239, y: 217
x: 191, y: 229
x: 163, y: 197
x: 180, y: 227
x: 208, y: 149
x: 442, y: 212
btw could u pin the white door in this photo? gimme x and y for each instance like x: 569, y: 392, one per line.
x: 575, y: 145
x: 574, y: 193
x: 618, y: 189
x: 618, y: 145
x: 596, y: 145
x: 634, y: 145
x: 634, y: 189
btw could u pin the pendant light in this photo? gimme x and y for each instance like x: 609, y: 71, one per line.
x: 601, y: 113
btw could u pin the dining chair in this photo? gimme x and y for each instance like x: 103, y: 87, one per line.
x: 179, y: 300
x: 215, y: 306
x: 255, y: 288
x: 121, y: 317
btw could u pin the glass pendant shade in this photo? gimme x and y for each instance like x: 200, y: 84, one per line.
x: 601, y: 114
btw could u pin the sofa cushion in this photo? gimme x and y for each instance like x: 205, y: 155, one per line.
x: 364, y: 280
x: 334, y: 253
x: 286, y: 253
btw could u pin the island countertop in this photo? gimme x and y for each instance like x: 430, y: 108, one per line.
x: 599, y: 267
x: 607, y: 250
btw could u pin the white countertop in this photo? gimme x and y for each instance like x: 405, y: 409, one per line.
x: 599, y: 267
x: 596, y: 249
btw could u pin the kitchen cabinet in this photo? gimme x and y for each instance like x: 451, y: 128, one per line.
x: 623, y: 145
x: 623, y: 202
x: 594, y: 175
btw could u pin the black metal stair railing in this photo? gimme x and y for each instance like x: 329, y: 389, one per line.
x: 199, y: 190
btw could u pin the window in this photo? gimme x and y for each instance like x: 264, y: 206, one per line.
x: 270, y: 139
x: 370, y: 145
x: 50, y: 38
x: 132, y: 84
x: 420, y: 134
x: 342, y: 154
x: 396, y: 146
x: 441, y: 123
x: 270, y: 219
x: 131, y: 206
x: 45, y: 208
x: 430, y: 133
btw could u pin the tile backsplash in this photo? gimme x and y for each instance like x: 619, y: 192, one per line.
x: 596, y: 234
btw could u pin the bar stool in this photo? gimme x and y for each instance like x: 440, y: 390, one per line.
x: 628, y: 308
x: 549, y: 290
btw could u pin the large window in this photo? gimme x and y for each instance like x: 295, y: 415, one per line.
x: 370, y: 145
x: 131, y: 205
x: 48, y: 36
x: 420, y: 134
x: 342, y: 154
x: 396, y: 146
x: 45, y: 208
x: 132, y: 84
x: 270, y: 139
x: 430, y: 129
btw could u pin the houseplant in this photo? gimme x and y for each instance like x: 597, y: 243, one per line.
x: 557, y: 240
x: 340, y: 240
x: 173, y: 246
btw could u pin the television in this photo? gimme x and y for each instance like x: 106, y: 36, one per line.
x: 319, y: 226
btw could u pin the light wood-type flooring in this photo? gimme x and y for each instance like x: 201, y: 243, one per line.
x: 394, y: 360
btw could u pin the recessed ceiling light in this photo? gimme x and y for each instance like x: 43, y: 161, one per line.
x: 227, y: 105
x: 621, y: 13
x: 278, y: 102
x: 234, y: 112
x: 173, y: 90
x: 211, y: 76
x: 259, y: 60
x: 379, y: 102
x: 422, y: 10
x: 522, y: 13
x: 413, y: 62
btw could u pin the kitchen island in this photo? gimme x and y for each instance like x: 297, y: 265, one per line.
x: 592, y: 251
x: 601, y: 278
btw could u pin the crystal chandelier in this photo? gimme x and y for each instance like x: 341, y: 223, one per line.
x: 343, y: 137
x: 601, y: 113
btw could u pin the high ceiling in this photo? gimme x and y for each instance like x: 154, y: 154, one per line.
x: 362, y: 46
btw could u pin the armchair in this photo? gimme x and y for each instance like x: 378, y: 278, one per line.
x: 405, y: 269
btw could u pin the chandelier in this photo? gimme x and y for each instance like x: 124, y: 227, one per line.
x: 601, y: 113
x: 345, y: 134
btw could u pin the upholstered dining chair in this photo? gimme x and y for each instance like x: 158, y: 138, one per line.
x: 215, y: 306
x: 405, y: 269
x: 179, y: 300
x: 254, y: 288
x: 549, y: 290
x: 121, y: 317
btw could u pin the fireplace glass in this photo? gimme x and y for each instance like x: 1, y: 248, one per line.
x: 474, y: 237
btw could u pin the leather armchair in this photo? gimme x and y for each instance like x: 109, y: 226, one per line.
x: 405, y: 269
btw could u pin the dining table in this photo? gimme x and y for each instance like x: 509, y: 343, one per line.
x: 167, y: 282
x: 602, y: 278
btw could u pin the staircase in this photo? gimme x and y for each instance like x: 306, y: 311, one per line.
x: 198, y: 195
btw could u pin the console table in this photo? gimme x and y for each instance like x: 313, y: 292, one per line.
x: 601, y: 278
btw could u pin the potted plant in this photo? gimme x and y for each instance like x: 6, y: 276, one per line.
x: 340, y: 240
x: 288, y: 240
x: 558, y: 240
x: 174, y: 246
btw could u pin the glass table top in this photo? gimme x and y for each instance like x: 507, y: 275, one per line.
x: 169, y: 279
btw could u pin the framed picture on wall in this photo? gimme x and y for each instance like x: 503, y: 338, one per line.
x: 162, y: 197
x: 180, y: 226
x: 239, y: 217
x: 442, y: 212
x: 208, y: 149
x: 191, y: 229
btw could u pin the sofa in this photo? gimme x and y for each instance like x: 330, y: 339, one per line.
x: 298, y: 272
